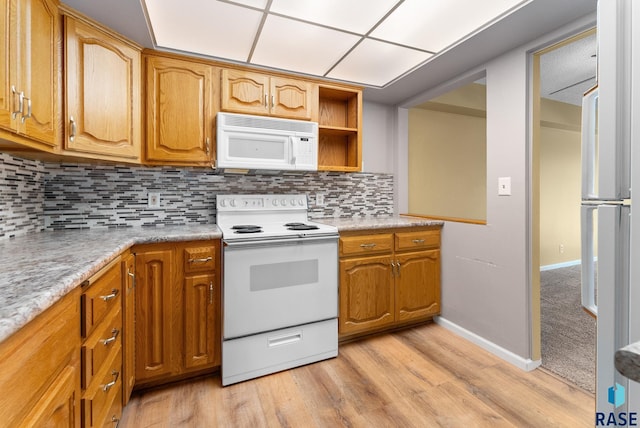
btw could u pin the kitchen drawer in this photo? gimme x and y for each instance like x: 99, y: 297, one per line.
x: 107, y: 387
x: 417, y: 240
x: 199, y: 259
x: 101, y: 293
x: 366, y: 244
x: 114, y: 414
x: 104, y: 340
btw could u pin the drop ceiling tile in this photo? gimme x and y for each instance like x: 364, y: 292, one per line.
x: 205, y: 27
x: 436, y: 24
x: 260, y: 4
x: 305, y: 48
x: 376, y: 63
x: 357, y: 16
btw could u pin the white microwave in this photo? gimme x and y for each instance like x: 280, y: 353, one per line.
x: 246, y: 142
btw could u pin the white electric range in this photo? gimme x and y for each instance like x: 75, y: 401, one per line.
x: 280, y: 285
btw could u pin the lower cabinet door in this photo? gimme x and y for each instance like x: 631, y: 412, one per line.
x: 366, y: 294
x: 201, y: 332
x: 156, y: 341
x: 417, y: 285
x: 57, y: 407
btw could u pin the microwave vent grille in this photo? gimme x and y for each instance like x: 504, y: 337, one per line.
x: 257, y: 122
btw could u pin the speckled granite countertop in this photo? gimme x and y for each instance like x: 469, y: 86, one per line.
x: 38, y: 269
x: 627, y: 361
x: 360, y: 223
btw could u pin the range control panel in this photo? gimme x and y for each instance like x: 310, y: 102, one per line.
x: 261, y: 202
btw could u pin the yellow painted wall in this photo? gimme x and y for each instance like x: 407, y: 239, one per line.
x: 560, y: 177
x: 447, y: 164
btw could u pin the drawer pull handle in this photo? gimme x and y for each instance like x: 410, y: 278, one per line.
x: 114, y: 419
x: 110, y: 385
x: 204, y: 260
x: 371, y: 245
x: 131, y: 274
x: 418, y: 241
x: 114, y: 335
x: 111, y: 296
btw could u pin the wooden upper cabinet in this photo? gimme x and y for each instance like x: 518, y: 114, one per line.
x: 255, y: 93
x: 103, y: 107
x: 30, y: 78
x: 179, y: 112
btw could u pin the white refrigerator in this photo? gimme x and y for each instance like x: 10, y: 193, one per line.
x: 611, y: 169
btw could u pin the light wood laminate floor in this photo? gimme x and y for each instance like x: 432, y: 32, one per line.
x: 425, y: 376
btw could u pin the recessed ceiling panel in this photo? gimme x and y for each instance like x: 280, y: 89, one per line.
x: 377, y: 63
x: 305, y: 48
x: 436, y: 24
x: 357, y: 16
x: 205, y: 27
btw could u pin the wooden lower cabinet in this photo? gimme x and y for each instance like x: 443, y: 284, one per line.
x: 388, y: 278
x: 128, y: 322
x: 177, y: 310
x: 40, y: 376
x: 101, y: 352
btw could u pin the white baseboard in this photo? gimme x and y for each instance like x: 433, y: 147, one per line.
x: 560, y: 265
x: 526, y: 364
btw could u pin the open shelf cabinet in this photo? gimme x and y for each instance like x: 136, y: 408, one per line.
x: 339, y: 129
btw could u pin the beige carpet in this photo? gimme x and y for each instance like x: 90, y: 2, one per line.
x: 568, y: 332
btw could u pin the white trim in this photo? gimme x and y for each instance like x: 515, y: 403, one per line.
x: 526, y: 364
x: 560, y: 265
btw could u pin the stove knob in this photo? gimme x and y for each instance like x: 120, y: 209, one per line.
x: 275, y: 202
x: 283, y: 202
x: 301, y: 202
x: 223, y: 203
x: 293, y: 202
x: 232, y: 202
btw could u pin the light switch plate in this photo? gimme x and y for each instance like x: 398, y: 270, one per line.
x: 504, y: 186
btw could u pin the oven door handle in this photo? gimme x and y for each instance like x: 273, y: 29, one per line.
x: 272, y: 242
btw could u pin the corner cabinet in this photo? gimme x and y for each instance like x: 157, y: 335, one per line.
x: 30, y: 71
x: 103, y: 93
x: 177, y: 310
x: 388, y: 279
x: 255, y: 93
x: 180, y: 112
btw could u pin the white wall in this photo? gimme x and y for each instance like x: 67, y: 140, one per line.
x: 378, y: 142
x: 486, y: 268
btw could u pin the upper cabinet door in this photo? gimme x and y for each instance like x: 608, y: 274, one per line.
x: 256, y: 93
x: 103, y: 94
x: 291, y: 98
x: 179, y: 112
x: 245, y: 92
x: 30, y: 69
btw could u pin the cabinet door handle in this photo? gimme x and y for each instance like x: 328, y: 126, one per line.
x: 111, y: 296
x: 28, y: 115
x: 114, y: 336
x: 207, y: 146
x: 371, y: 245
x: 398, y: 268
x: 203, y: 260
x: 266, y: 100
x: 393, y: 268
x: 14, y: 92
x: 210, y: 292
x: 418, y: 241
x: 110, y: 385
x: 273, y: 101
x: 72, y: 129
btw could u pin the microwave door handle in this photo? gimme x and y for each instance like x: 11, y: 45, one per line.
x: 294, y: 149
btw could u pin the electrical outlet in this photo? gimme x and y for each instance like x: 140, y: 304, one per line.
x: 153, y: 200
x: 320, y: 199
x: 561, y: 248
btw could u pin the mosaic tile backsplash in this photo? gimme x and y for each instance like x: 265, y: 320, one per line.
x: 88, y: 196
x: 21, y: 196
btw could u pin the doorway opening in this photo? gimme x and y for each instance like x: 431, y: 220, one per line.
x: 562, y: 73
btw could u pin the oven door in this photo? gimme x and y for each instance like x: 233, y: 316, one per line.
x: 278, y: 283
